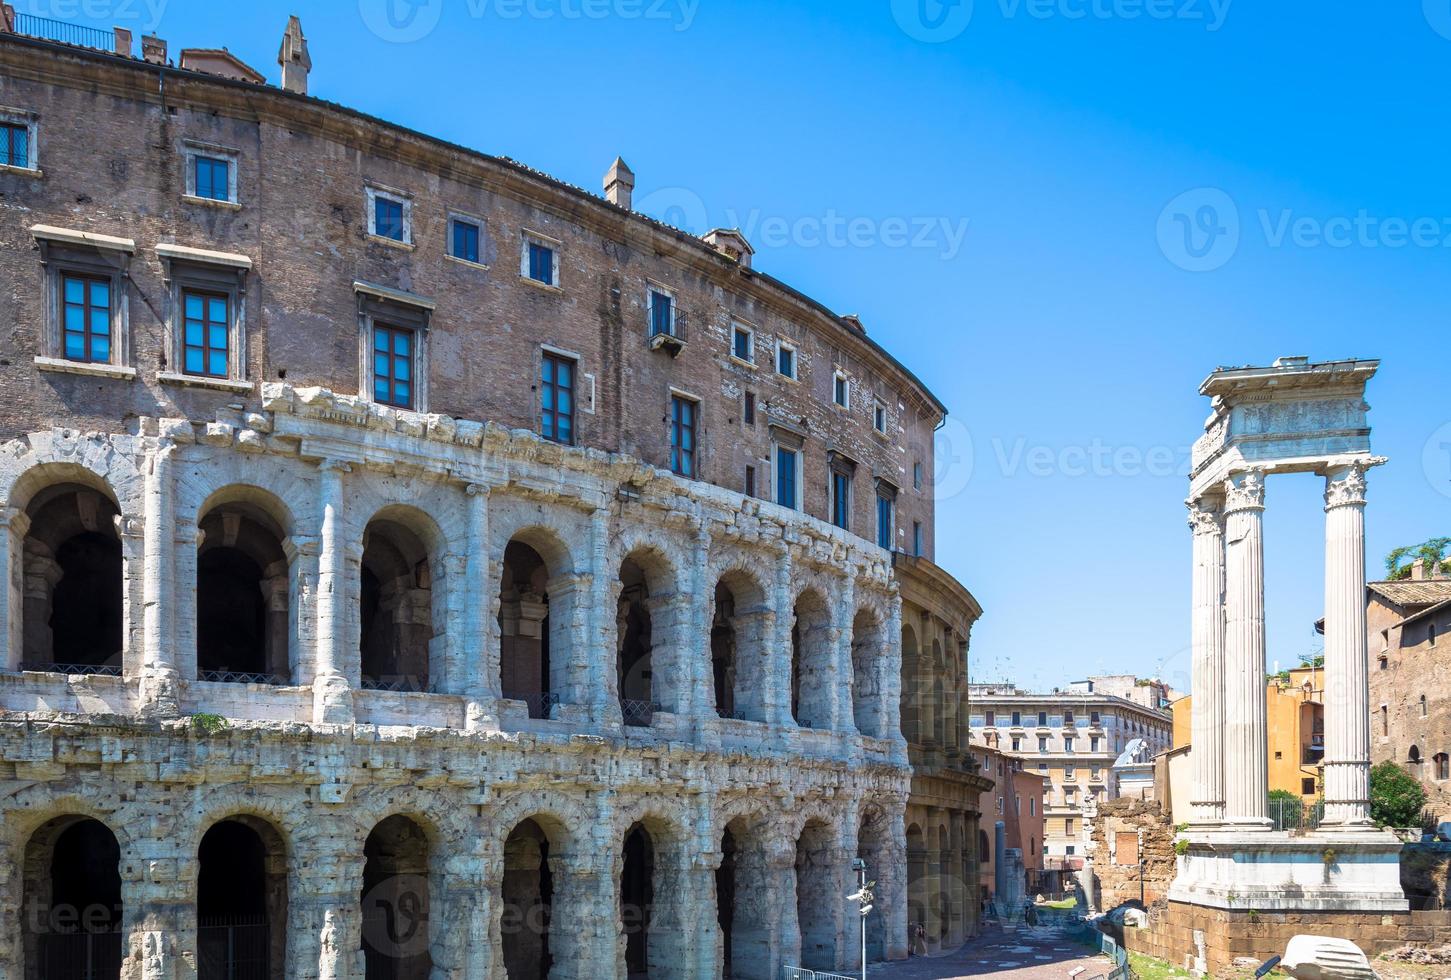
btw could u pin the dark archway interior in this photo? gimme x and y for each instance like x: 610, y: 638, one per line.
x: 528, y: 903
x: 242, y: 598
x: 872, y: 848
x: 86, y: 615
x: 725, y: 894
x: 241, y: 902
x: 73, y: 606
x: 395, y: 902
x: 72, y: 898
x: 524, y: 630
x: 723, y: 651
x: 637, y: 895
x: 397, y: 608
x: 634, y: 658
x: 816, y: 896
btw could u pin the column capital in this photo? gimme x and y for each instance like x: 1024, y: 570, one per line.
x: 332, y: 465
x: 1206, y: 515
x: 1345, y: 486
x: 1244, y: 491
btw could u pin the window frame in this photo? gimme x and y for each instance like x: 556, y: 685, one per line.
x: 841, y: 475
x: 385, y: 328
x: 652, y: 290
x: 678, y: 453
x: 187, y: 270
x: 399, y: 311
x: 841, y: 390
x: 794, y: 448
x: 88, y: 282
x: 795, y: 373
x: 739, y: 329
x: 886, y: 530
x: 530, y: 239
x: 63, y: 253
x: 879, y: 417
x: 917, y: 539
x: 28, y: 121
x: 748, y: 408
x: 373, y: 194
x: 456, y: 218
x: 555, y: 357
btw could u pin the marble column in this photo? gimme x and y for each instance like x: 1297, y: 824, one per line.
x: 1206, y: 518
x: 159, y: 687
x: 1246, y: 767
x: 332, y: 697
x: 1347, y: 690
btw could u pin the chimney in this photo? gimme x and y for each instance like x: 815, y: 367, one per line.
x: 293, y: 58
x: 620, y: 184
x: 1420, y: 570
x: 123, y: 41
x: 7, y: 18
x: 730, y: 243
x: 153, y: 49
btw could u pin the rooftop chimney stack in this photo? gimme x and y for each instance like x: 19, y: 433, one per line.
x: 123, y: 41
x: 7, y: 18
x: 153, y: 49
x: 730, y: 243
x: 293, y: 58
x: 620, y: 184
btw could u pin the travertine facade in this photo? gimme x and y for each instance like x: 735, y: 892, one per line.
x: 304, y: 684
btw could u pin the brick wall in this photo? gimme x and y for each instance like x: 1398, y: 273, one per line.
x: 1129, y: 830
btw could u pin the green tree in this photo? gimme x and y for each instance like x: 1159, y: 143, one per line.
x: 1433, y: 552
x: 1396, y: 798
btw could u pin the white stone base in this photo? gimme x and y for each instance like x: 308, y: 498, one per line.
x: 1276, y: 872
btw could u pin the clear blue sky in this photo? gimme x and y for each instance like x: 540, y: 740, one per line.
x: 1059, y: 131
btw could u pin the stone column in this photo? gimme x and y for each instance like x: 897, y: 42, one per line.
x: 324, y: 913
x: 778, y: 667
x: 480, y: 676
x: 846, y: 680
x: 891, y: 679
x: 14, y: 523
x: 599, y: 649
x: 1246, y: 766
x: 332, y: 697
x: 159, y: 682
x: 1347, y: 690
x: 702, y: 704
x: 1206, y: 518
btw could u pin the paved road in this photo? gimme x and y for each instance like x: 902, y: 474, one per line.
x: 1040, y: 953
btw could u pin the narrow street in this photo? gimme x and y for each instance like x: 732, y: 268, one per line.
x: 1020, y: 953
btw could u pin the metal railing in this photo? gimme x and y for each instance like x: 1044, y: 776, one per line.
x: 638, y: 714
x: 55, y: 30
x: 77, y: 670
x: 1295, y: 815
x: 801, y: 973
x: 396, y: 683
x: 540, y: 704
x: 673, y: 324
x: 241, y: 677
x: 80, y: 955
x: 234, y: 948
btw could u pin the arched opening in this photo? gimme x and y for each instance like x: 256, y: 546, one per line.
x: 738, y: 647
x: 943, y: 871
x: 939, y: 713
x: 867, y: 654
x: 874, y: 847
x: 911, y: 705
x: 1414, y: 756
x: 528, y: 895
x: 748, y: 924
x: 916, y: 879
x: 818, y: 895
x: 241, y: 901
x: 73, y: 608
x: 723, y: 651
x: 72, y: 902
x: 811, y: 657
x: 725, y: 898
x: 526, y: 670
x: 635, y: 630
x: 397, y: 608
x: 395, y: 901
x: 1443, y: 765
x: 637, y: 899
x: 243, y: 629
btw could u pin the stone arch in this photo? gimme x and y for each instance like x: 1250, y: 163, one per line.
x: 868, y: 652
x: 537, y: 605
x: 916, y: 877
x: 241, y: 896
x: 874, y: 846
x: 652, y: 867
x: 943, y: 892
x: 741, y: 621
x: 748, y: 927
x: 915, y: 712
x: 71, y: 906
x: 245, y: 594
x: 652, y: 624
x: 812, y: 657
x: 819, y: 892
x: 399, y: 856
x: 1413, y: 757
x: 527, y: 893
x: 401, y: 613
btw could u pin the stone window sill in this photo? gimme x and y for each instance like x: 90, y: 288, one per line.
x: 741, y: 363
x: 62, y: 366
x: 391, y: 242
x: 211, y: 202
x: 480, y: 266
x: 22, y: 171
x: 197, y: 381
x: 547, y: 287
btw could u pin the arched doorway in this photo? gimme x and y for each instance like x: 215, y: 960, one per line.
x: 723, y: 651
x: 811, y: 659
x: 635, y: 661
x: 243, y: 631
x: 397, y: 608
x: 73, y: 606
x: 395, y: 901
x: 526, y: 670
x: 818, y: 895
x: 71, y: 902
x: 637, y: 899
x: 241, y: 901
x: 528, y: 894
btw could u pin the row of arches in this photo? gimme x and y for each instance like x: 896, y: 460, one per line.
x: 73, y: 897
x: 249, y: 587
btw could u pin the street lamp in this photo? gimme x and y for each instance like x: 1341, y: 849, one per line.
x: 863, y: 897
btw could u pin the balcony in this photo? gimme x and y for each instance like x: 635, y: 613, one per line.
x: 55, y: 30
x: 668, y: 329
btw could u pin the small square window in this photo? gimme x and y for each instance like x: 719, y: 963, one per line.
x: 213, y: 177
x: 389, y: 216
x: 540, y: 261
x: 15, y: 145
x: 786, y: 360
x: 463, y: 240
x: 841, y: 391
x: 879, y: 417
x: 743, y: 343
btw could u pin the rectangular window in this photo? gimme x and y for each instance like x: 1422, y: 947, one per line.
x: 1070, y: 773
x: 1093, y: 744
x: 15, y: 145
x: 392, y: 366
x: 1095, y: 773
x: 86, y: 302
x: 750, y: 481
x: 743, y: 343
x: 1094, y: 718
x: 213, y: 177
x: 841, y: 391
x: 206, y: 321
x: 1307, y: 787
x: 539, y: 263
x: 1043, y: 719
x: 990, y: 719
x: 841, y: 500
x: 748, y: 411
x: 682, y: 436
x: 786, y: 360
x: 464, y: 241
x: 917, y: 475
x: 886, y: 522
x: 1017, y: 744
x: 1042, y: 746
x: 388, y: 218
x: 1068, y: 718
x: 1017, y: 718
x: 879, y: 417
x: 1068, y: 745
x: 917, y: 538
x: 662, y: 313
x: 556, y: 398
x: 787, y: 467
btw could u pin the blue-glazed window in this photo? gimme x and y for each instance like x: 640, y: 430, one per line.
x: 14, y: 145
x: 393, y: 359
x: 742, y: 344
x: 541, y: 263
x: 787, y: 461
x: 86, y: 318
x: 662, y: 313
x: 786, y: 361
x: 213, y: 178
x: 556, y: 398
x: 841, y: 500
x: 465, y: 240
x: 205, y: 325
x: 388, y: 218
x: 682, y: 436
x: 886, y: 522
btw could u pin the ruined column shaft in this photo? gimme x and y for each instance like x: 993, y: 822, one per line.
x: 1246, y: 765
x: 158, y: 587
x: 1207, y: 723
x: 1347, y: 691
x: 332, y: 698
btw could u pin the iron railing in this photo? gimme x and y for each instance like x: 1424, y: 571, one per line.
x: 234, y: 948
x: 540, y: 704
x: 669, y: 324
x: 1295, y: 815
x: 801, y: 973
x: 397, y: 683
x: 80, y: 955
x: 638, y: 714
x: 241, y: 677
x: 80, y: 670
x: 55, y: 30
